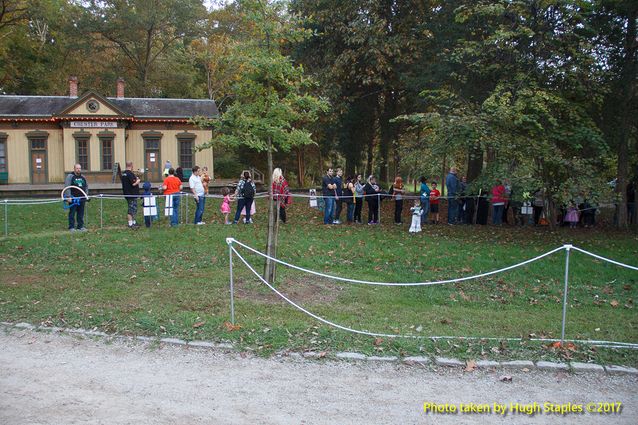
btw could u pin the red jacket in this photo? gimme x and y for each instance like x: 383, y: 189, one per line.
x: 498, y: 194
x: 283, y: 191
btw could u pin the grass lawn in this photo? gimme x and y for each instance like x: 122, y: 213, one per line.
x: 174, y: 282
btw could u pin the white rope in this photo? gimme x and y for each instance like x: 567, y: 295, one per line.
x: 605, y: 259
x: 298, y: 307
x: 32, y: 202
x: 376, y: 334
x: 69, y: 189
x: 367, y: 282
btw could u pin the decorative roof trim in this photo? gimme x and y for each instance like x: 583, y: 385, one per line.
x: 82, y: 99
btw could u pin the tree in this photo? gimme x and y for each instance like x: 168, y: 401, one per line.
x: 617, y: 47
x: 144, y: 31
x: 271, y: 103
x: 12, y: 12
x: 363, y: 54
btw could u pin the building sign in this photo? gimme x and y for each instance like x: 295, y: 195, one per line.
x: 93, y: 124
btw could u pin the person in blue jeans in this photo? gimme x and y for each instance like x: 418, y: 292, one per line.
x: 453, y: 186
x: 199, y: 194
x: 245, y: 193
x: 172, y: 187
x: 76, y: 179
x: 328, y: 187
x: 424, y: 193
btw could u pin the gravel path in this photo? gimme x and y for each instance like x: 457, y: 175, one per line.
x: 61, y: 379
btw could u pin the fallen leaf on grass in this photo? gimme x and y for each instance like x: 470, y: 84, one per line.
x: 614, y: 303
x: 322, y: 354
x: 470, y: 365
x: 199, y: 324
x: 230, y: 327
x: 378, y: 341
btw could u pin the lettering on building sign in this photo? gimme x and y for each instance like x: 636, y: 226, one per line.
x: 93, y: 124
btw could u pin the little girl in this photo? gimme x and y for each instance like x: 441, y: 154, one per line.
x: 225, y: 208
x: 415, y: 227
x: 572, y: 216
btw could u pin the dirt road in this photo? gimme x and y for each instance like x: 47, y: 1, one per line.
x: 61, y: 379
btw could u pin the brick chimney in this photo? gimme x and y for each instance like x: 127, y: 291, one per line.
x: 120, y: 88
x: 73, y: 86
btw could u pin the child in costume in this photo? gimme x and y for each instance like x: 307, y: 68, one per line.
x: 415, y: 227
x: 572, y: 215
x: 225, y: 208
x: 150, y: 204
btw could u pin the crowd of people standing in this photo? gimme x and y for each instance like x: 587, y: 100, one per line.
x: 349, y: 193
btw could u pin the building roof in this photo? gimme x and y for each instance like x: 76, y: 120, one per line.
x: 50, y: 106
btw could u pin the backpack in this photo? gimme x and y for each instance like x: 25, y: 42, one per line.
x: 248, y: 191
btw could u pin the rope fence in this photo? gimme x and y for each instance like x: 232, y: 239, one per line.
x: 567, y: 248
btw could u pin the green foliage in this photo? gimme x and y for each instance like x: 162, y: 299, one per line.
x: 272, y: 102
x: 144, y: 33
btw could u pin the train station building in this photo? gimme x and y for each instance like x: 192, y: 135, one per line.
x: 43, y: 137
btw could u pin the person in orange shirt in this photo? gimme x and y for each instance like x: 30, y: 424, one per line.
x: 172, y: 186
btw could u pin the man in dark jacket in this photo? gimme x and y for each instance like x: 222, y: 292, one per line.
x: 452, y: 184
x: 131, y: 189
x: 76, y: 198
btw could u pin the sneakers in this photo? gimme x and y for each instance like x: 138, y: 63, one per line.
x: 336, y: 222
x: 200, y: 223
x: 72, y: 230
x: 82, y: 229
x: 132, y: 227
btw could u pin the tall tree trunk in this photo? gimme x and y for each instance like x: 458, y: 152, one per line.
x: 301, y: 167
x: 387, y: 131
x: 370, y: 156
x: 271, y: 242
x: 627, y: 92
x: 474, y: 163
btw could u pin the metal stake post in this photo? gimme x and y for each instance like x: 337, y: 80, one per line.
x: 86, y: 212
x: 378, y: 209
x: 186, y: 216
x: 101, y: 212
x: 232, y: 289
x: 6, y: 217
x: 562, y: 333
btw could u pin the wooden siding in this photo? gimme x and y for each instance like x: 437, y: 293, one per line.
x: 128, y: 144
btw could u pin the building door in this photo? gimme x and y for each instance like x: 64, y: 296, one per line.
x: 39, y: 174
x: 152, y: 165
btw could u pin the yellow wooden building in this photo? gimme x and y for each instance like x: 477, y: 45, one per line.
x: 43, y: 137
